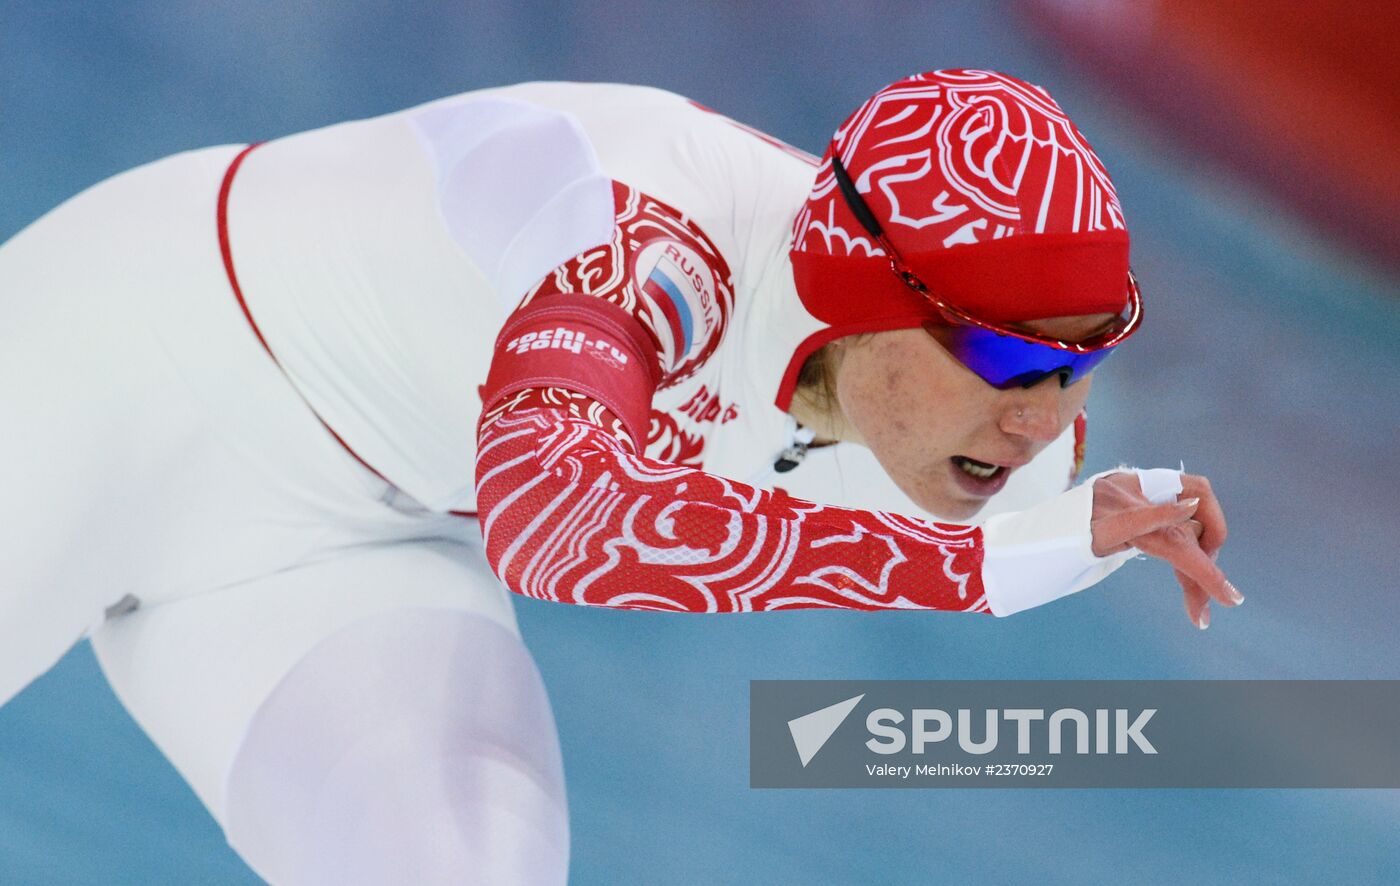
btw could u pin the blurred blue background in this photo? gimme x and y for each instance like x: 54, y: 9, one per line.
x: 1269, y: 362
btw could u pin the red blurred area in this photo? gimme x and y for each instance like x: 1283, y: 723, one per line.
x: 1302, y: 98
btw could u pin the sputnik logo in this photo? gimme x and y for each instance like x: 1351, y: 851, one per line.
x: 810, y: 732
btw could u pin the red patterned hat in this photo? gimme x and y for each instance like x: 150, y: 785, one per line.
x: 989, y: 193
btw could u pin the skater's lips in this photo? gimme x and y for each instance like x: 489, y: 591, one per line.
x: 978, y: 479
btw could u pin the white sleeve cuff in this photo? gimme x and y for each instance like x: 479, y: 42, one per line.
x: 1043, y: 553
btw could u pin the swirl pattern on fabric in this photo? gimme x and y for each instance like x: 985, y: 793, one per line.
x: 660, y: 267
x: 570, y: 514
x: 959, y: 156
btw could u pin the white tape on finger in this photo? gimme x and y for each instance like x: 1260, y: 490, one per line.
x: 1159, y: 485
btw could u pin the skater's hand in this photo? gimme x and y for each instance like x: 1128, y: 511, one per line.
x: 1188, y: 533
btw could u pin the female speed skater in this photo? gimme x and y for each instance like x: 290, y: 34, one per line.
x: 284, y: 422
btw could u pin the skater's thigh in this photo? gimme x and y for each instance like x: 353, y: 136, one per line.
x: 412, y: 746
x: 194, y: 671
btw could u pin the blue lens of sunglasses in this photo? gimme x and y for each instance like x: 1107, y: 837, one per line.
x: 1005, y: 361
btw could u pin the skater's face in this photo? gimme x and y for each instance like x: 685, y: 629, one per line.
x: 946, y: 437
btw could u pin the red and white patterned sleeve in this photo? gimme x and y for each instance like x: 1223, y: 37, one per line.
x: 572, y: 511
